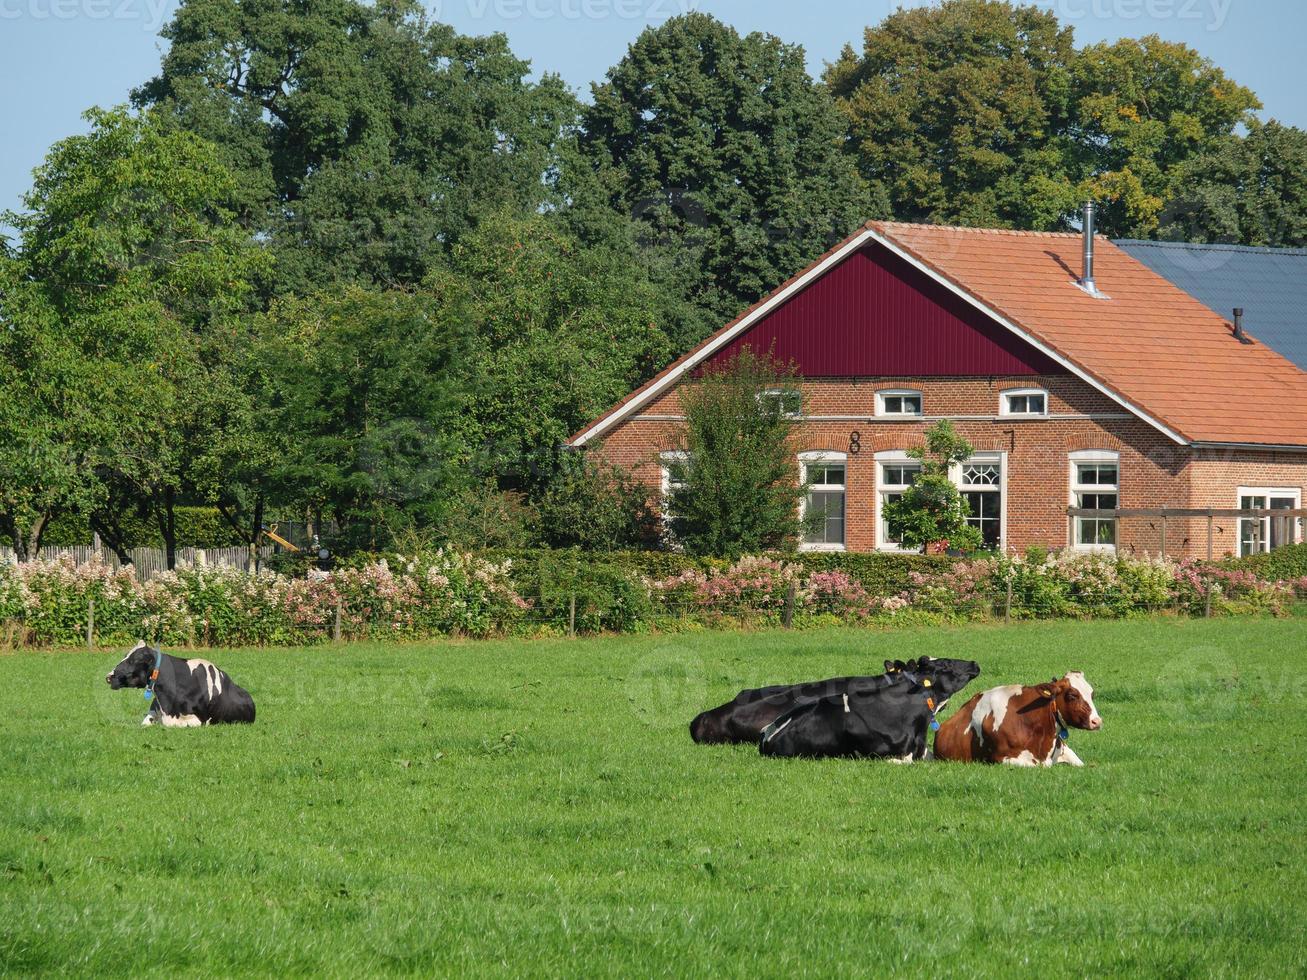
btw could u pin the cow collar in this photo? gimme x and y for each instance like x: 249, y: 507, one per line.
x: 1062, y: 733
x: 930, y: 705
x: 154, y: 675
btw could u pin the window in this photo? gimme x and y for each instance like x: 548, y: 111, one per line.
x: 1029, y: 402
x: 980, y: 480
x: 824, y: 473
x: 895, y: 472
x: 673, y: 479
x: 1258, y: 534
x: 789, y: 401
x: 1095, y: 485
x: 902, y: 403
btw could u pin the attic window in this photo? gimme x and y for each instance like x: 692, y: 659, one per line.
x: 902, y: 404
x: 1024, y: 403
x: 788, y: 401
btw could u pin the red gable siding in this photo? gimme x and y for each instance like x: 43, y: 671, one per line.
x: 874, y: 315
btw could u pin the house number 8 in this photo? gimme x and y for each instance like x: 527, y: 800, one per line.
x: 855, y: 443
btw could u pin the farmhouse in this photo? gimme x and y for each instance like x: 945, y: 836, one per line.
x: 1085, y: 380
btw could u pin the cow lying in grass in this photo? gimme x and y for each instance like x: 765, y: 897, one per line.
x: 889, y: 722
x: 181, y: 693
x: 744, y: 718
x: 1021, y: 726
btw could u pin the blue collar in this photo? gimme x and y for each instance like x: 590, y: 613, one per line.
x: 154, y: 675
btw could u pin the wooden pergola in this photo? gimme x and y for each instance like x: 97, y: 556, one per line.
x: 1210, y: 514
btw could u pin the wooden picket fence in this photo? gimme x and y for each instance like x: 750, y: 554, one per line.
x: 149, y: 562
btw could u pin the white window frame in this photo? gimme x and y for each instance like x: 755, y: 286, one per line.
x: 672, y: 456
x: 1294, y: 493
x: 1079, y: 458
x: 998, y: 458
x: 779, y: 394
x: 881, y: 412
x: 824, y: 456
x: 1005, y: 405
x: 891, y: 457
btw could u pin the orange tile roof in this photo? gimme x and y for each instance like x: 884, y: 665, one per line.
x: 1151, y: 343
x: 1162, y: 352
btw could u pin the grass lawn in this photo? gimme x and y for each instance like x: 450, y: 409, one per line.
x: 538, y: 808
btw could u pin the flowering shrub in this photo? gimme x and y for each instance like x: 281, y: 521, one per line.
x: 1232, y: 591
x: 965, y: 590
x: 440, y: 594
x: 447, y: 593
x: 836, y: 594
x: 751, y: 585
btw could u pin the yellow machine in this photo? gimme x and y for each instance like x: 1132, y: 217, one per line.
x: 271, y: 533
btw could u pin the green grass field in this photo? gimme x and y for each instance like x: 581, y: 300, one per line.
x: 538, y: 808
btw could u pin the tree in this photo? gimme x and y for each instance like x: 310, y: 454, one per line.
x: 1144, y: 107
x: 736, y: 487
x: 932, y: 513
x: 368, y: 139
x: 984, y: 113
x: 369, y: 392
x: 559, y: 332
x: 594, y: 505
x: 727, y: 154
x: 1246, y: 190
x: 130, y: 264
x: 960, y: 114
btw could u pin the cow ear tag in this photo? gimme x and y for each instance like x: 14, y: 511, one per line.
x: 1046, y: 692
x: 934, y: 722
x: 926, y: 683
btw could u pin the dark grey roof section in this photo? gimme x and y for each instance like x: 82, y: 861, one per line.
x: 1269, y: 283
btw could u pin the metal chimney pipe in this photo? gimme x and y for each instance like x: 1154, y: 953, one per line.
x: 1238, y: 325
x: 1087, y: 280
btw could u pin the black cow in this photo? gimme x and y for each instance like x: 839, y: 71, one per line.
x: 744, y: 718
x: 182, y: 693
x: 886, y: 722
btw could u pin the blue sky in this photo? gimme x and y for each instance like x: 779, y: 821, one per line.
x: 58, y: 57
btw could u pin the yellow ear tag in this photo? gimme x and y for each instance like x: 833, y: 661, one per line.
x: 926, y: 683
x: 1046, y: 693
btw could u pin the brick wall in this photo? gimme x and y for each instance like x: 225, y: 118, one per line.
x: 1154, y: 471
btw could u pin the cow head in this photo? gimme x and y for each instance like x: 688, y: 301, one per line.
x: 1075, y: 701
x: 134, y: 669
x: 946, y: 676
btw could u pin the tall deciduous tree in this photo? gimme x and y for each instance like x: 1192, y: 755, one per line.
x: 368, y: 138
x: 960, y: 113
x: 736, y: 488
x: 728, y: 155
x: 559, y: 333
x: 369, y: 394
x: 130, y: 268
x: 1246, y: 190
x: 1144, y: 107
x: 984, y: 113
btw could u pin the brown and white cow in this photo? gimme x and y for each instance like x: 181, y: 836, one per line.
x: 1021, y: 726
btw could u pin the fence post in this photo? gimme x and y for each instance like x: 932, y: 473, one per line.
x: 787, y: 614
x: 335, y: 626
x: 1007, y: 609
x: 90, y: 623
x: 571, y: 615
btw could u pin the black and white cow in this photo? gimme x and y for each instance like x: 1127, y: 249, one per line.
x: 182, y: 693
x: 743, y: 718
x: 888, y: 722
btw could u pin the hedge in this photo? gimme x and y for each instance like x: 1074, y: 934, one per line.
x: 1288, y: 564
x: 197, y: 527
